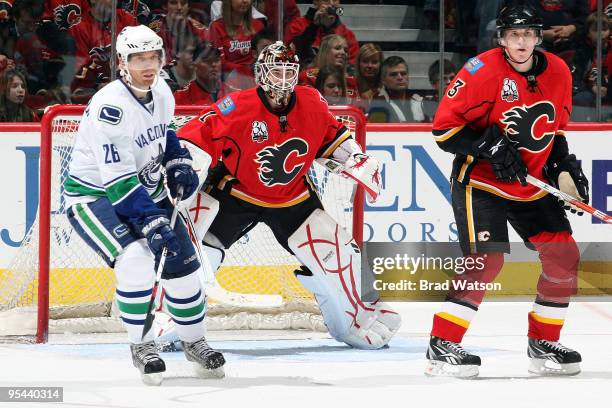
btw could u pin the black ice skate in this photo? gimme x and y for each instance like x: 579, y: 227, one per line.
x: 552, y: 358
x: 148, y: 362
x: 209, y: 362
x: 447, y: 358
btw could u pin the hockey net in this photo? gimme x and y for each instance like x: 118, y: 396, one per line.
x: 57, y: 284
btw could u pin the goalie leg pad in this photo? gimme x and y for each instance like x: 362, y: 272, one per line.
x: 202, y: 212
x: 334, y: 261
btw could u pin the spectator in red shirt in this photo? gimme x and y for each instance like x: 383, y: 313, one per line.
x: 177, y: 28
x: 207, y: 87
x: 13, y: 91
x: 233, y: 34
x: 333, y: 52
x: 92, y: 37
x: 307, y: 32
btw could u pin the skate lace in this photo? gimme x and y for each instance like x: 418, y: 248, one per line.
x: 201, y: 347
x: 146, y: 352
x: 454, y: 347
x: 556, y: 346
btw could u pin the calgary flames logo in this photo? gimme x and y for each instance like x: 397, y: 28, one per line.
x: 67, y: 15
x: 533, y: 127
x: 273, y: 162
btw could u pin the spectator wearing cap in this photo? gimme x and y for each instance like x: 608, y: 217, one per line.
x: 431, y: 102
x: 322, y: 19
x: 207, y: 87
x: 395, y: 102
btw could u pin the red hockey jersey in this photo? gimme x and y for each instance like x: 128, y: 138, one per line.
x: 267, y: 165
x: 236, y: 53
x: 66, y: 14
x: 489, y: 91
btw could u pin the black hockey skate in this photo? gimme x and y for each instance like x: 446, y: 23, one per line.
x: 209, y: 362
x: 447, y: 358
x: 148, y: 362
x: 552, y: 358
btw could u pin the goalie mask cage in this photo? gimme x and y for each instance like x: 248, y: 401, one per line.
x: 55, y: 277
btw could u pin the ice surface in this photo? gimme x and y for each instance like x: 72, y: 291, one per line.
x: 302, y: 369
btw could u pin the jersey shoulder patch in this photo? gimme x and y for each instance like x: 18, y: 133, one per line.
x: 473, y: 65
x: 110, y: 114
x: 226, y: 105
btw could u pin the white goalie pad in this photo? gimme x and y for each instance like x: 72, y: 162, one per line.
x: 334, y: 259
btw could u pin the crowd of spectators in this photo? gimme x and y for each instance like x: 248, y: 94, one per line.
x: 59, y: 51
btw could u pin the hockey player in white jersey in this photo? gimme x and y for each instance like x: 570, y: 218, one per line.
x: 118, y: 203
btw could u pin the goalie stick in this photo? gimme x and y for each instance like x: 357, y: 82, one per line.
x: 221, y: 295
x: 569, y: 199
x: 160, y: 267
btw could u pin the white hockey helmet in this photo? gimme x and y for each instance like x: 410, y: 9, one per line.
x: 135, y: 39
x: 276, y: 71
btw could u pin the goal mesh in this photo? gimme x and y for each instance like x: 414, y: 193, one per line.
x: 81, y: 286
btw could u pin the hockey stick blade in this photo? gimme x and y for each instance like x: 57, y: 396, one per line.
x: 148, y: 323
x: 569, y: 199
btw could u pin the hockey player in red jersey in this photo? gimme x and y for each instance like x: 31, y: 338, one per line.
x: 265, y: 139
x: 503, y: 117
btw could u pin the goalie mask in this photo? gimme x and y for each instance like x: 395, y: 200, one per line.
x: 133, y: 40
x: 276, y: 72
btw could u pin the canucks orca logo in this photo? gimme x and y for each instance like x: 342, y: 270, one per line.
x: 150, y: 174
x: 273, y: 162
x: 110, y: 114
x: 67, y: 15
x: 533, y: 127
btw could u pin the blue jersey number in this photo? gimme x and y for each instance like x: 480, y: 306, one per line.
x: 111, y: 155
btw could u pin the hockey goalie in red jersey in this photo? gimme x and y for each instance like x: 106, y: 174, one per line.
x: 263, y: 141
x: 503, y: 118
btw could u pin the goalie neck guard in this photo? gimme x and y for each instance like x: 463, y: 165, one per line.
x: 135, y: 39
x: 276, y: 72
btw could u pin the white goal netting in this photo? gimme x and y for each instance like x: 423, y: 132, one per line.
x: 81, y: 286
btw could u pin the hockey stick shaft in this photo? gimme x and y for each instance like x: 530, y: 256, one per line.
x: 148, y: 323
x: 569, y: 199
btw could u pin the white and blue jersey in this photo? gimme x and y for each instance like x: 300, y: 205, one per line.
x: 119, y: 148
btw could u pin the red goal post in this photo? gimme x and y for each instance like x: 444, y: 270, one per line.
x: 351, y: 116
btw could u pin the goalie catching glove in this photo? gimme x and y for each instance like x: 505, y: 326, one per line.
x: 349, y: 161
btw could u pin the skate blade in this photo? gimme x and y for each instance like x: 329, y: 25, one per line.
x: 153, y: 379
x: 206, y: 373
x: 544, y: 367
x: 437, y: 368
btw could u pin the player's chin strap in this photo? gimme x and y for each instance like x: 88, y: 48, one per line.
x: 333, y: 274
